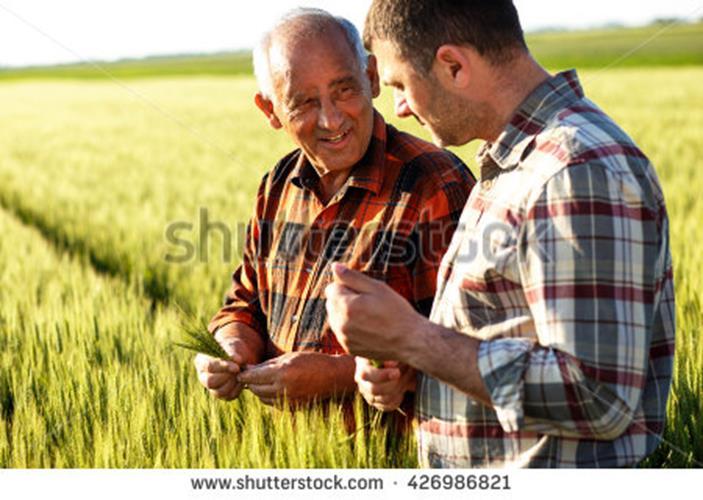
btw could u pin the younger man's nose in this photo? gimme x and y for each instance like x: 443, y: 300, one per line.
x: 402, y: 109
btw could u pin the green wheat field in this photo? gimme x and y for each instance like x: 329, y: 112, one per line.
x: 93, y: 173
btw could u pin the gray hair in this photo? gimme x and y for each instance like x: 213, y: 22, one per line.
x: 319, y: 19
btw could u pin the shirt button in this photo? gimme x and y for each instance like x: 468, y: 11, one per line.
x: 294, y: 318
x: 488, y: 184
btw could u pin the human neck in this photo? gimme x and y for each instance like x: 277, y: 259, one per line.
x: 511, y: 86
x: 330, y: 183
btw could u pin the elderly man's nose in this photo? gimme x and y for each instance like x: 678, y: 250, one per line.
x: 330, y: 117
x: 402, y: 108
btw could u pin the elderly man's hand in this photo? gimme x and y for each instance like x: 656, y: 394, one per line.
x: 384, y: 387
x: 300, y: 377
x: 219, y: 376
x: 368, y: 317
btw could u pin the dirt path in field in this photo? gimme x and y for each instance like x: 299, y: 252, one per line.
x: 63, y: 243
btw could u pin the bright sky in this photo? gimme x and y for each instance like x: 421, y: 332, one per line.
x: 52, y: 31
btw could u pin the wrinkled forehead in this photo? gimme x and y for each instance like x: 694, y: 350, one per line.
x: 312, y: 60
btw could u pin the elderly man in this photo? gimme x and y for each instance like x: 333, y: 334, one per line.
x: 551, y: 338
x: 356, y: 190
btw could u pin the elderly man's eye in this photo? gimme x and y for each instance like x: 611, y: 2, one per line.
x: 302, y: 105
x: 346, y: 92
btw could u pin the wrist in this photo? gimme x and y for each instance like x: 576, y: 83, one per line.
x: 342, y: 383
x: 421, y: 336
x: 246, y: 340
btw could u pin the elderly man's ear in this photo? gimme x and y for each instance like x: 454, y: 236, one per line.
x: 372, y: 73
x: 266, y: 106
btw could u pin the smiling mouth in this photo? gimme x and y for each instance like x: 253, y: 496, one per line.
x: 336, y: 139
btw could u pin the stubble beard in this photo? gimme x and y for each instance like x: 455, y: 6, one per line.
x: 457, y: 121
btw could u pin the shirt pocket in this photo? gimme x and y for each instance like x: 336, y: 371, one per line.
x: 484, y: 284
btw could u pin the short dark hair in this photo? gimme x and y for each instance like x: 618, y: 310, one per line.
x: 418, y: 28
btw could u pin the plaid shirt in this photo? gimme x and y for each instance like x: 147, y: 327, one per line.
x: 393, y: 219
x: 561, y: 266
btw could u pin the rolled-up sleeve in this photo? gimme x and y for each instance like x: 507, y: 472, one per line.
x: 590, y: 254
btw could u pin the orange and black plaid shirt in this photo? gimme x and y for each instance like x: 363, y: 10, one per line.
x: 393, y: 219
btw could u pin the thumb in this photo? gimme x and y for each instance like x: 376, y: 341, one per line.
x: 354, y: 280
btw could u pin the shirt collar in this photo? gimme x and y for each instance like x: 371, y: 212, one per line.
x: 366, y: 174
x: 530, y: 119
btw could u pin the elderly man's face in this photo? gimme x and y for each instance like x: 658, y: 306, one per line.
x: 323, y: 99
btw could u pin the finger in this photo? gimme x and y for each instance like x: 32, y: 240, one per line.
x: 393, y: 387
x: 354, y: 280
x: 269, y: 401
x: 264, y: 373
x: 376, y: 375
x: 205, y: 363
x: 389, y: 400
x: 335, y: 292
x: 269, y: 391
x: 365, y: 365
x: 234, y: 392
x: 386, y: 403
x: 387, y: 407
x: 229, y: 391
x: 201, y: 361
x: 214, y: 380
x: 334, y: 305
x: 218, y: 390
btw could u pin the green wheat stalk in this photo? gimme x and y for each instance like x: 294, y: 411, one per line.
x: 196, y: 337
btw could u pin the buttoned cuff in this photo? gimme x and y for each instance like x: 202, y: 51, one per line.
x: 502, y: 364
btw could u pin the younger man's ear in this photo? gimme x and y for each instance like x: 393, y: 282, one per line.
x: 453, y: 65
x: 266, y: 106
x: 372, y: 73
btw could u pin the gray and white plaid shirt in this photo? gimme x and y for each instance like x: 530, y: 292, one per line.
x: 561, y: 266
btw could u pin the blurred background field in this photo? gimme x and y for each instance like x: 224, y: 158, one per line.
x: 100, y: 171
x: 659, y: 44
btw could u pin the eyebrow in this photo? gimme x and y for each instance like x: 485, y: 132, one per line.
x: 392, y: 83
x: 386, y: 81
x: 292, y: 100
x: 343, y: 80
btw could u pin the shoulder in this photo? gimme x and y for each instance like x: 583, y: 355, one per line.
x: 582, y: 152
x: 280, y: 173
x: 274, y: 181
